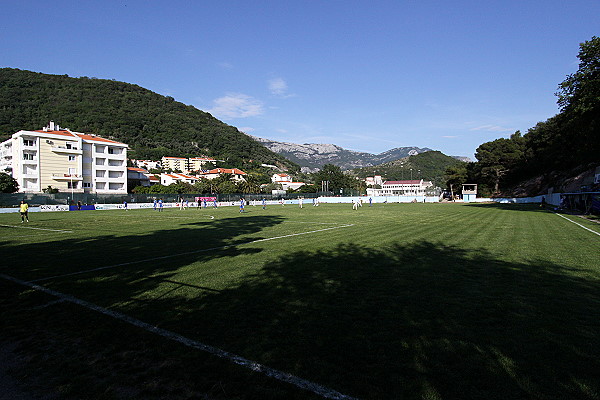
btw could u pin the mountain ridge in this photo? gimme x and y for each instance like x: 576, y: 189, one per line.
x: 312, y: 156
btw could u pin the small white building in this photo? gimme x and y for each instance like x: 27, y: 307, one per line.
x: 147, y: 164
x: 374, y: 180
x: 286, y: 181
x: 279, y: 178
x: 237, y: 174
x: 167, y: 179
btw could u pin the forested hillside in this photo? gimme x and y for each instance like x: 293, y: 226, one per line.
x: 153, y: 125
x: 429, y: 166
x: 551, y: 152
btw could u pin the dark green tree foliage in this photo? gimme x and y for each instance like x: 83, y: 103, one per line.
x: 153, y: 125
x: 336, y: 178
x: 498, y: 157
x: 580, y: 92
x: 8, y: 184
x: 456, y: 175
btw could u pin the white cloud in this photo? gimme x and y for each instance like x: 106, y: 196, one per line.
x: 278, y: 87
x: 225, y: 65
x: 491, y: 128
x: 246, y: 129
x: 449, y: 137
x: 236, y: 105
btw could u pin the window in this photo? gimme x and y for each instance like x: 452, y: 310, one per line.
x: 87, y: 184
x: 72, y: 158
x: 111, y: 150
x: 28, y: 142
x: 72, y: 185
x: 100, y: 174
x: 28, y: 156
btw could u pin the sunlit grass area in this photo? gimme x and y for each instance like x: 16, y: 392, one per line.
x: 439, y: 301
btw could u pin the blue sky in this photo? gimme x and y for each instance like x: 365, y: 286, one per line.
x: 365, y: 75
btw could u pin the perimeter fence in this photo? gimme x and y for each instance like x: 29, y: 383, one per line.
x: 65, y: 198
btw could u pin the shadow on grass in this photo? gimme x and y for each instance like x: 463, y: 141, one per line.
x: 62, y: 256
x: 421, y: 321
x: 510, y: 206
x: 413, y: 321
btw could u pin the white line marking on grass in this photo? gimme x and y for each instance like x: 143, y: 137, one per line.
x: 40, y: 229
x: 584, y: 227
x: 315, y: 388
x: 186, y: 253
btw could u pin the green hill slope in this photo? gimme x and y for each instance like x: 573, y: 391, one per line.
x: 429, y: 166
x: 153, y: 125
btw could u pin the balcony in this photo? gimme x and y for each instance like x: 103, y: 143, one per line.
x: 64, y: 149
x: 67, y: 177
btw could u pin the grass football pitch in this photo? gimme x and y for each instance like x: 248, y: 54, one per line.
x: 407, y: 301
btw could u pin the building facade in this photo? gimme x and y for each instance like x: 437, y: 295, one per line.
x: 65, y: 160
x: 236, y: 174
x: 167, y: 179
x: 175, y: 163
x: 201, y: 163
x: 401, y: 188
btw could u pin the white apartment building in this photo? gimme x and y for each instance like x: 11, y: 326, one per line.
x: 68, y: 161
x: 200, y: 163
x: 401, y: 188
x: 175, y: 163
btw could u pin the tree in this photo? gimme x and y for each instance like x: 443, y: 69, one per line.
x: 334, y: 175
x: 581, y: 90
x: 455, y: 176
x: 249, y: 185
x: 203, y: 185
x: 8, y: 184
x: 496, y: 158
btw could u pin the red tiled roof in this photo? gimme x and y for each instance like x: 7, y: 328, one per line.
x: 136, y: 169
x: 63, y: 133
x: 409, y: 182
x: 96, y: 138
x: 84, y: 136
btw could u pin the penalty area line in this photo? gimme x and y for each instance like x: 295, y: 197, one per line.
x: 39, y: 229
x: 315, y: 388
x: 186, y: 253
